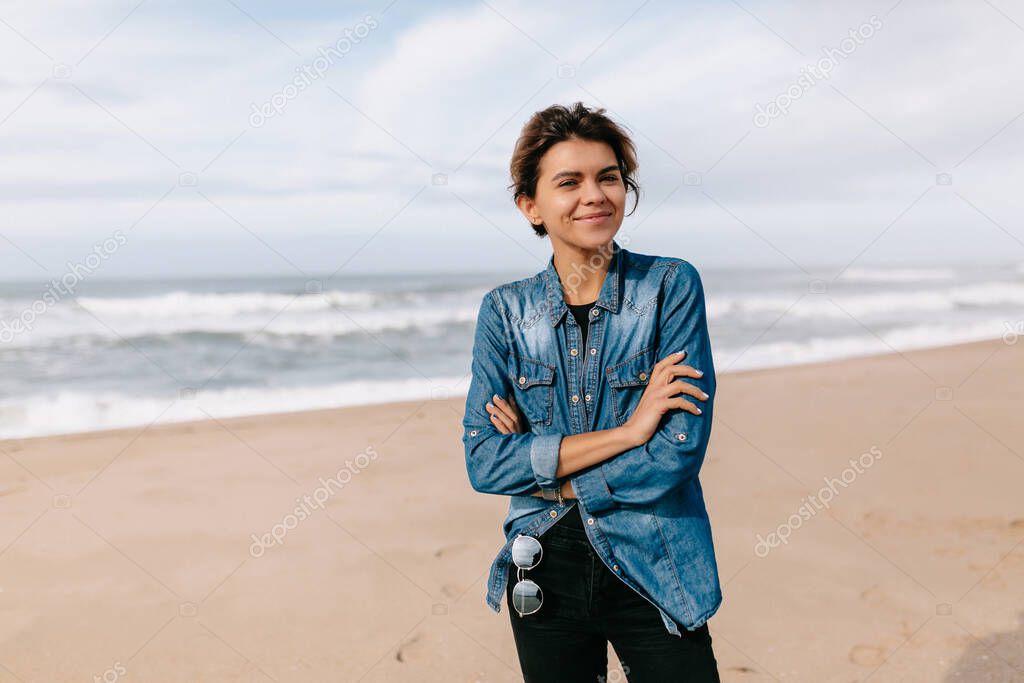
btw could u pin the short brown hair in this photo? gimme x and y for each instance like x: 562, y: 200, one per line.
x: 555, y: 124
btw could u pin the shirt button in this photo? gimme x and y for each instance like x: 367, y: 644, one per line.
x: 575, y: 398
x: 681, y: 436
x: 473, y: 433
x: 593, y: 351
x: 522, y: 380
x: 587, y: 397
x: 615, y: 567
x: 572, y: 352
x: 643, y: 376
x: 590, y: 520
x: 553, y: 513
x: 595, y: 312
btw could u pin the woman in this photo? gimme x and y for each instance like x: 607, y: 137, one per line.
x: 582, y: 411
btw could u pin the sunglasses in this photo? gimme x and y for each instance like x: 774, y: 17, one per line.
x: 527, y: 596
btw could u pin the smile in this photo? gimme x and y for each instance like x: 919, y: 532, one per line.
x: 595, y: 219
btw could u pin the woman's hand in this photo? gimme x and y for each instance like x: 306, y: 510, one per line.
x: 660, y: 396
x: 505, y: 415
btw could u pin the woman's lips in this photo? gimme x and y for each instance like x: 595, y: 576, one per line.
x: 595, y: 219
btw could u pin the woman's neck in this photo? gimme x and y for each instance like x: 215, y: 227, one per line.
x: 581, y: 272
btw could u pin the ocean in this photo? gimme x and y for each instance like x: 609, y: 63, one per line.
x: 127, y: 353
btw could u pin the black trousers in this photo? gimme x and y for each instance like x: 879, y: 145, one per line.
x: 585, y: 607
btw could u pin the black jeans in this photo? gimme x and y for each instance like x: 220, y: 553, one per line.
x: 585, y: 607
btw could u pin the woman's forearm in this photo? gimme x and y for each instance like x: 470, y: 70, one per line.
x: 580, y: 451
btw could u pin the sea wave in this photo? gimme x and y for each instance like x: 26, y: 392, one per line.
x: 258, y: 328
x: 840, y: 305
x: 184, y: 305
x: 816, y: 349
x: 898, y: 274
x: 70, y: 411
x: 268, y: 319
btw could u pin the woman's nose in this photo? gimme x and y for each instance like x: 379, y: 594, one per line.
x: 592, y: 193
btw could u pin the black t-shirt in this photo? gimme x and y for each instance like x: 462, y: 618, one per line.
x: 581, y: 312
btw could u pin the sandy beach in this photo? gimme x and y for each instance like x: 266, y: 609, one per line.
x: 348, y: 545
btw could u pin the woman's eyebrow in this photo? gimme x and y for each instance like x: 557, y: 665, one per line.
x: 578, y: 174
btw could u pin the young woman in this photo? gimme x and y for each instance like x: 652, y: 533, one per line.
x: 590, y: 407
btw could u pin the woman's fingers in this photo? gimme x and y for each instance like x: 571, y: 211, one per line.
x: 680, y: 386
x: 668, y: 361
x: 507, y: 406
x: 504, y: 413
x: 683, y: 371
x: 668, y: 367
x: 500, y: 420
x: 684, y: 405
x: 510, y: 409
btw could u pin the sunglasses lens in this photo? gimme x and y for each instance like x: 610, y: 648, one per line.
x: 526, y: 552
x: 527, y: 597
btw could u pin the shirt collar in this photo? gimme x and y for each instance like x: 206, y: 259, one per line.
x: 609, y: 296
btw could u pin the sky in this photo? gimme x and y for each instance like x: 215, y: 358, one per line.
x: 769, y: 135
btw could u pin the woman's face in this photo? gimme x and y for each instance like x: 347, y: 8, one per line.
x: 580, y: 194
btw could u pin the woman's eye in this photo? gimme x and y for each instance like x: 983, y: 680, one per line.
x: 613, y: 178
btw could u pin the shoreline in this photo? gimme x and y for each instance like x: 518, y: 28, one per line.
x: 193, y: 424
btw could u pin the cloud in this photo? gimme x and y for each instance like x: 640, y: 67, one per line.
x: 445, y: 89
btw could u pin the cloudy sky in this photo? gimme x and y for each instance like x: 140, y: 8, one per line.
x: 154, y: 119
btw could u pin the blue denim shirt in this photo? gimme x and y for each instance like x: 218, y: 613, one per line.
x: 643, y: 509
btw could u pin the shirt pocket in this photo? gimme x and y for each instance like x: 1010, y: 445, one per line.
x: 628, y: 381
x: 534, y: 383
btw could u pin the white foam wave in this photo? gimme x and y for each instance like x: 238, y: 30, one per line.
x: 337, y: 314
x: 261, y: 328
x: 179, y: 304
x: 183, y: 305
x: 73, y: 411
x: 832, y: 305
x: 818, y: 349
x: 898, y: 274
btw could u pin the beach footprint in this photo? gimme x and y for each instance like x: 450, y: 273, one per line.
x: 873, y: 656
x: 406, y: 651
x: 449, y: 550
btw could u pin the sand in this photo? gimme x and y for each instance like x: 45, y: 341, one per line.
x: 130, y: 554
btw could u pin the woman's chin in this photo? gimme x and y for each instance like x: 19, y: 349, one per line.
x: 587, y: 237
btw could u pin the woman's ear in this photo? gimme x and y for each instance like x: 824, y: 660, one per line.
x: 528, y: 207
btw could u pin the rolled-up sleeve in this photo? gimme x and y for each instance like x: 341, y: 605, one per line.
x: 544, y: 459
x: 504, y: 464
x: 675, y: 452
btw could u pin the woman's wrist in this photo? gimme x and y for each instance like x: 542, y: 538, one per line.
x: 631, y: 438
x: 565, y: 488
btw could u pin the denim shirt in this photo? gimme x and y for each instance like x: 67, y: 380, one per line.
x: 643, y: 509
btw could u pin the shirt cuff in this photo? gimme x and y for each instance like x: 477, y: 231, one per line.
x: 592, y: 490
x: 544, y: 459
